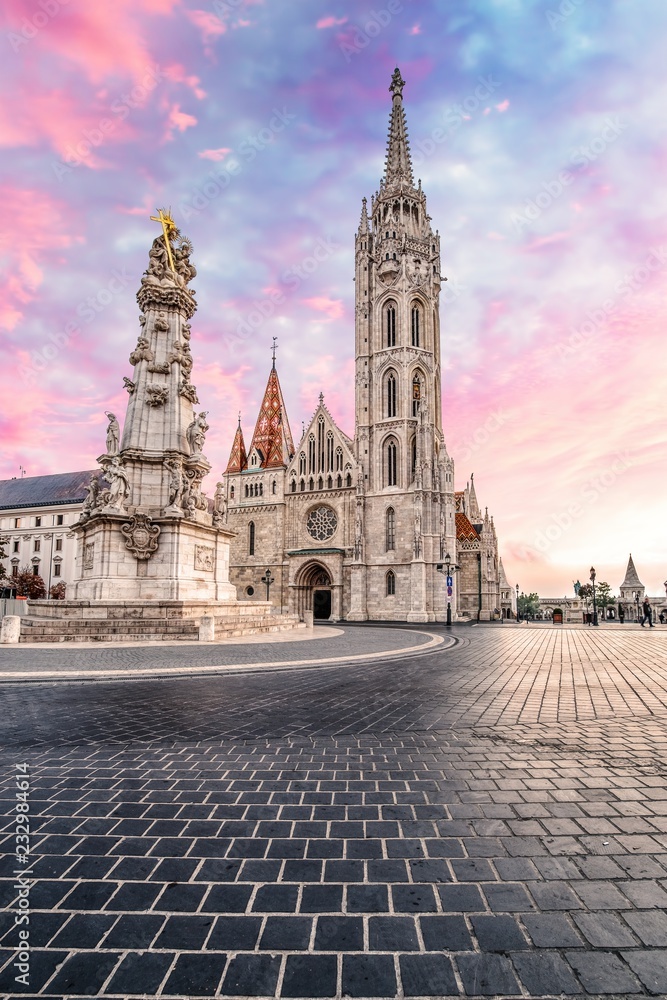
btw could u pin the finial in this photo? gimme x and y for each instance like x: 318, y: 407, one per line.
x: 397, y: 84
x: 168, y: 229
x: 321, y: 399
x: 273, y: 352
x: 239, y: 420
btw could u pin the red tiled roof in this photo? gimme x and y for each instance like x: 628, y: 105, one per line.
x: 272, y: 437
x: 238, y: 460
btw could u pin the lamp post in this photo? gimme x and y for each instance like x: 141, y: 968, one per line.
x: 636, y: 597
x: 517, y: 603
x: 595, y: 607
x: 450, y: 567
x: 267, y: 579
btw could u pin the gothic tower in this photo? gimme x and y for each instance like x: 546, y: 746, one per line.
x: 405, y: 498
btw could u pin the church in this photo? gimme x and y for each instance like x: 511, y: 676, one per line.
x: 369, y: 527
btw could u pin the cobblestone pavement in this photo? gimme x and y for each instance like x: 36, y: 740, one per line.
x: 488, y: 820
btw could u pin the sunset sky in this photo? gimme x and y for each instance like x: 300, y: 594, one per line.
x: 538, y: 130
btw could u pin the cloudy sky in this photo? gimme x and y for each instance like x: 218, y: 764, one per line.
x: 538, y: 129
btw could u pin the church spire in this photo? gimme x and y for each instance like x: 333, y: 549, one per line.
x: 363, y: 222
x: 238, y: 459
x: 272, y: 438
x: 398, y: 166
x: 631, y: 576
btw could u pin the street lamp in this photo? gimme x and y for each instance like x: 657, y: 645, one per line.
x: 517, y: 603
x: 449, y: 568
x: 635, y: 594
x: 268, y: 580
x: 595, y: 607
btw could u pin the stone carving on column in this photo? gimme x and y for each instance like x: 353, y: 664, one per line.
x: 141, y: 536
x: 142, y: 352
x: 359, y: 529
x: 196, y: 434
x: 219, y: 506
x: 118, y: 494
x: 418, y: 535
x: 129, y: 384
x: 113, y: 434
x: 157, y: 395
x: 192, y: 498
x: 188, y: 391
x: 175, y: 469
x: 92, y: 501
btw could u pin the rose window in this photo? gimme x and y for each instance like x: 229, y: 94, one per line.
x: 322, y: 523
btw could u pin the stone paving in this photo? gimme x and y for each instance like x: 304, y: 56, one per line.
x: 484, y: 820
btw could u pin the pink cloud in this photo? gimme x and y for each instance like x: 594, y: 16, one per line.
x: 333, y: 308
x: 330, y: 22
x: 178, y: 120
x: 415, y: 29
x: 178, y: 74
x: 503, y: 106
x: 209, y: 24
x: 34, y: 225
x: 214, y: 154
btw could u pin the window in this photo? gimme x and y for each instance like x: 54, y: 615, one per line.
x: 17, y: 522
x: 302, y: 463
x: 416, y: 323
x: 16, y: 546
x: 38, y: 522
x: 339, y: 459
x: 413, y: 470
x: 391, y: 324
x: 250, y: 591
x: 59, y: 544
x: 293, y: 486
x: 311, y: 453
x: 231, y: 492
x: 35, y: 570
x: 37, y: 546
x: 416, y: 394
x: 56, y: 569
x: 274, y: 488
x: 15, y: 571
x: 348, y: 479
x: 246, y: 489
x: 391, y: 583
x: 59, y: 518
x: 390, y: 463
x: 339, y: 481
x: 251, y: 538
x: 390, y: 532
x: 391, y: 395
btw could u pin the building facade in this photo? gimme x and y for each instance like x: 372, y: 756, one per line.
x: 362, y: 527
x: 36, y: 518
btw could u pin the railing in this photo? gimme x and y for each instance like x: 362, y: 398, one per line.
x: 11, y: 606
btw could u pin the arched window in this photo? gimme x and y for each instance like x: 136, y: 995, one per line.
x: 251, y: 538
x: 339, y: 459
x: 302, y: 485
x: 293, y: 486
x: 390, y: 394
x: 348, y: 479
x: 390, y: 322
x: 311, y: 453
x: 416, y: 394
x: 391, y: 583
x: 415, y: 316
x: 390, y: 530
x: 329, y: 482
x: 274, y: 487
x: 302, y: 463
x: 330, y: 451
x: 339, y: 481
x: 231, y: 492
x: 246, y: 489
x: 413, y: 460
x: 311, y: 483
x: 390, y: 463
x: 320, y: 483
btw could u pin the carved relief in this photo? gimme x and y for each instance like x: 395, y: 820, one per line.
x: 219, y: 506
x: 188, y: 391
x: 141, y: 536
x: 118, y: 493
x: 113, y: 434
x: 129, y: 384
x: 196, y: 433
x: 157, y: 395
x: 142, y: 352
x: 88, y: 555
x: 204, y: 558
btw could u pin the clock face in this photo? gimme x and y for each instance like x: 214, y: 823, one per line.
x: 322, y: 523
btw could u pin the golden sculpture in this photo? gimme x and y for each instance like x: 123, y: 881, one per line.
x: 169, y: 229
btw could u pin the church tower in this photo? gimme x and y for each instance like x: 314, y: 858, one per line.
x: 405, y: 486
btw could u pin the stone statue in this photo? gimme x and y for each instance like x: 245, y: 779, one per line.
x: 113, y: 434
x: 219, y: 506
x: 175, y: 484
x: 142, y: 352
x: 196, y: 433
x: 92, y: 498
x: 119, y: 491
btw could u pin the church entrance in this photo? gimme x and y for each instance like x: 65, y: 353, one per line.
x: 322, y: 604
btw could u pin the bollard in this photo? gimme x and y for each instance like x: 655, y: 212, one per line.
x: 207, y: 629
x: 308, y: 618
x: 11, y: 628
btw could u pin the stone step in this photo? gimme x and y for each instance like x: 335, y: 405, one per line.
x: 147, y: 630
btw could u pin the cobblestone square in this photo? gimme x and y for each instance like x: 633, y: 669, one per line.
x: 483, y: 819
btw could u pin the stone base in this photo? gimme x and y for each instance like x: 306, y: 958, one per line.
x: 133, y: 621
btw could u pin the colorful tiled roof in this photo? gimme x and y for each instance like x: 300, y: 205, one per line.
x: 238, y: 460
x: 272, y: 437
x: 465, y: 532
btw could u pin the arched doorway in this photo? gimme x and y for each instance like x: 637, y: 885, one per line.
x: 315, y: 591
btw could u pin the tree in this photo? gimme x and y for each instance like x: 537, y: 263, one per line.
x: 58, y: 591
x: 528, y: 605
x: 604, y: 596
x: 3, y: 555
x: 29, y: 585
x: 586, y: 594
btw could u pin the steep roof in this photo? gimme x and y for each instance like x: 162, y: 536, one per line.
x: 631, y: 578
x: 272, y: 437
x: 465, y: 532
x: 398, y: 166
x: 45, y: 491
x: 238, y: 459
x: 502, y: 576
